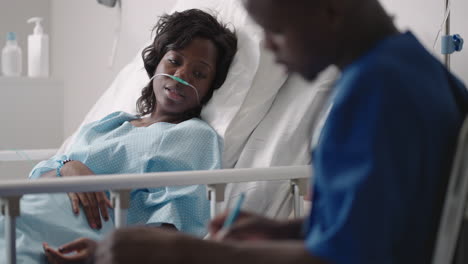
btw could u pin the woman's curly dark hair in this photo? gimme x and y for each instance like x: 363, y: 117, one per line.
x: 174, y: 32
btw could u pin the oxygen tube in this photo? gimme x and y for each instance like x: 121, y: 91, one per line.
x: 175, y: 78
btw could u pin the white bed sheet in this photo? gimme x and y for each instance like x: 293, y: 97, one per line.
x: 283, y: 138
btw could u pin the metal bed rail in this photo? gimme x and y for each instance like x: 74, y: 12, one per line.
x: 121, y: 185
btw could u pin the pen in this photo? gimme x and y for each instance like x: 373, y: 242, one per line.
x: 231, y: 218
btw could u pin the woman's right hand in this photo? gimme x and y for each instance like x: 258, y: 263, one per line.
x: 78, y: 251
x: 94, y: 203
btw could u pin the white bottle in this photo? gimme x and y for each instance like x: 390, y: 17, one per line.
x: 11, y: 56
x: 38, y: 51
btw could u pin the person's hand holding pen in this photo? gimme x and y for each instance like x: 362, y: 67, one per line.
x: 229, y: 219
x: 248, y: 226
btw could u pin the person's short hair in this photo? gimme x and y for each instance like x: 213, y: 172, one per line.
x: 174, y: 32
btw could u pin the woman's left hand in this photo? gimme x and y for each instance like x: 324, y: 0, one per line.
x: 84, y: 249
x: 94, y: 204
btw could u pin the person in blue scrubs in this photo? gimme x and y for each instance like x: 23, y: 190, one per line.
x: 382, y: 161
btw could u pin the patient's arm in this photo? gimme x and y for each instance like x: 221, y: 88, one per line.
x: 143, y: 245
x: 254, y: 227
x: 94, y: 203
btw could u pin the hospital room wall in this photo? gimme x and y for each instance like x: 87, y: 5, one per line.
x: 16, y: 117
x: 83, y: 33
x: 424, y: 18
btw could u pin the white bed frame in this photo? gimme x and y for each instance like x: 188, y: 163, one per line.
x: 120, y: 185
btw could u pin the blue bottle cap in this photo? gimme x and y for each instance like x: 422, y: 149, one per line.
x: 11, y: 36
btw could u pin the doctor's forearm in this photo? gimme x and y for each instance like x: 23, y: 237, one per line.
x: 150, y: 245
x: 274, y: 252
x: 292, y: 229
x: 271, y: 252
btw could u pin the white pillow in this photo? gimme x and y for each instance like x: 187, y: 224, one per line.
x: 237, y: 107
x: 251, y: 85
x: 283, y: 138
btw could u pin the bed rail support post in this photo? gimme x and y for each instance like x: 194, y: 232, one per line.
x: 299, y: 190
x: 216, y: 196
x: 10, y: 207
x: 121, y: 202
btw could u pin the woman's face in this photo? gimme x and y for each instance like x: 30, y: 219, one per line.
x: 196, y: 64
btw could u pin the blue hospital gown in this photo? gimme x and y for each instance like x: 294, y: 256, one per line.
x: 114, y: 146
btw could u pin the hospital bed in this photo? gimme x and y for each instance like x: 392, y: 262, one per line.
x: 267, y: 140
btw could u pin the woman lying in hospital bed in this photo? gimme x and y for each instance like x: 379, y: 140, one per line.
x: 189, y: 58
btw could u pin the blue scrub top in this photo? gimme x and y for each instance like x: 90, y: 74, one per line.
x: 383, y: 159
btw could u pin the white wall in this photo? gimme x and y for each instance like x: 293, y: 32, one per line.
x: 26, y: 122
x: 459, y: 24
x: 30, y: 109
x: 424, y: 18
x: 83, y: 34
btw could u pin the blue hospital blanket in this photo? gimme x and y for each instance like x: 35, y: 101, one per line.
x: 114, y: 146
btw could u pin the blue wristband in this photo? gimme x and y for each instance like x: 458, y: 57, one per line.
x: 61, y: 163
